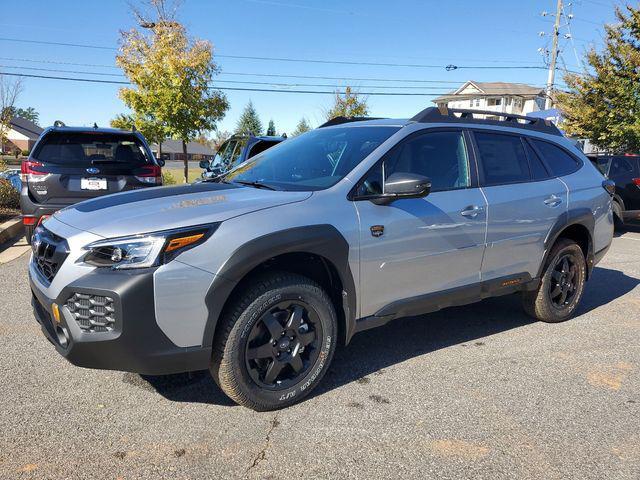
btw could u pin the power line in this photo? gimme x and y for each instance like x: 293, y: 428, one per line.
x: 296, y: 60
x: 116, y: 82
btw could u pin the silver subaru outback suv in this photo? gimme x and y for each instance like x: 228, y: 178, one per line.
x: 259, y: 274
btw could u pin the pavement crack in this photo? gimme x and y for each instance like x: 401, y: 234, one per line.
x: 262, y: 454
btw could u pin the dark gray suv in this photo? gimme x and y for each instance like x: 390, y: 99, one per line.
x: 71, y: 164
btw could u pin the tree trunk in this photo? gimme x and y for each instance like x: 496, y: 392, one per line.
x: 160, y: 150
x: 186, y: 162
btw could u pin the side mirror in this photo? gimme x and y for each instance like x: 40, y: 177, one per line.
x: 204, y: 164
x: 403, y: 185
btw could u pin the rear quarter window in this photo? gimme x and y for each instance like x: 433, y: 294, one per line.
x: 558, y: 160
x: 503, y: 158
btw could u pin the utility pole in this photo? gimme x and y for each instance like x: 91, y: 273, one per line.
x: 554, y: 56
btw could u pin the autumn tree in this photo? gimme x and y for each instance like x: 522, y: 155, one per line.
x: 603, y: 104
x: 348, y: 104
x: 271, y: 129
x: 171, y: 76
x: 301, y: 127
x: 9, y: 93
x: 219, y: 137
x: 249, y: 121
x: 148, y: 126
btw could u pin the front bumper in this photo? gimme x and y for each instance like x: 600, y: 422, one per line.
x: 135, y: 344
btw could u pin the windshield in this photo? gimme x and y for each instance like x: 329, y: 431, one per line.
x: 313, y: 161
x: 67, y: 148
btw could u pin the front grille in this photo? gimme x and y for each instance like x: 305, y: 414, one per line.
x: 49, y: 252
x: 93, y: 313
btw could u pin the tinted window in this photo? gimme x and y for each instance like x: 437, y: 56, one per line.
x: 620, y: 166
x: 441, y: 156
x: 315, y: 160
x: 560, y: 162
x: 90, y: 148
x: 260, y: 147
x: 502, y: 157
x: 538, y: 170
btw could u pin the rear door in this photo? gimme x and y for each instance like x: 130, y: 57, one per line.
x: 524, y: 203
x: 81, y: 165
x: 623, y: 171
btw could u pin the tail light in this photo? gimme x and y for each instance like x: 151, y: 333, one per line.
x: 28, y: 168
x: 29, y: 220
x: 636, y: 181
x: 43, y: 218
x: 609, y: 186
x: 150, y: 174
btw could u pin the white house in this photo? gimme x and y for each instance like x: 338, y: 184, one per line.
x: 21, y: 135
x: 516, y: 98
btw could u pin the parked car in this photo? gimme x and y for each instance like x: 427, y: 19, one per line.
x: 12, y: 176
x: 235, y: 151
x: 71, y: 164
x: 260, y: 274
x: 624, y: 170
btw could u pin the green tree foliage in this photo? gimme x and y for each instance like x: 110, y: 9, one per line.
x: 349, y: 104
x: 303, y: 126
x: 271, y: 129
x: 28, y: 113
x: 604, y: 104
x: 171, y: 77
x: 249, y: 121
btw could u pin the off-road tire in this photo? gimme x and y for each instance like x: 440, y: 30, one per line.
x: 229, y: 362
x: 618, y: 219
x: 538, y: 303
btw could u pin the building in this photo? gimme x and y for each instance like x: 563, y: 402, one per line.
x: 516, y: 98
x: 22, y: 135
x: 172, y: 150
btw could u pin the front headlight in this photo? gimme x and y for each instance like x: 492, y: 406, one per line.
x: 142, y: 251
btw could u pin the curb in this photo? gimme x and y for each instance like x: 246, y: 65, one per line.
x: 10, y: 229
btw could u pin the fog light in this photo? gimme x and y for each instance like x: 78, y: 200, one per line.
x: 56, y: 312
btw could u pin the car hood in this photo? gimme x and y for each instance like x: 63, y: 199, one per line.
x: 164, y: 208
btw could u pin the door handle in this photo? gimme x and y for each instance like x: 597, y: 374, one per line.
x: 553, y: 201
x: 471, y: 211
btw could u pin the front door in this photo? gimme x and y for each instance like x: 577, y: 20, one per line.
x: 413, y: 247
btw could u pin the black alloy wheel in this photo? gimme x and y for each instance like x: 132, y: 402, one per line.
x: 283, y: 345
x: 563, y: 285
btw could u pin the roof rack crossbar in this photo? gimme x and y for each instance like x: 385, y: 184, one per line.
x: 341, y: 120
x: 445, y: 115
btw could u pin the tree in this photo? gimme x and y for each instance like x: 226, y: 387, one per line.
x: 349, y: 104
x: 9, y: 93
x: 148, y: 126
x: 271, y: 129
x: 249, y: 121
x: 28, y: 113
x: 171, y: 77
x: 303, y: 126
x: 603, y: 105
x: 220, y: 136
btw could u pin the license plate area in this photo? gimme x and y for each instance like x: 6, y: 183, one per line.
x: 93, y: 183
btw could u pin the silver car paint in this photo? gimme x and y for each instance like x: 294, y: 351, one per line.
x: 248, y: 213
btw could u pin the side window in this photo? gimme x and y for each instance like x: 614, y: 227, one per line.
x: 538, y: 170
x: 560, y: 162
x: 441, y: 156
x: 237, y: 152
x: 620, y: 166
x: 502, y: 158
x: 260, y: 147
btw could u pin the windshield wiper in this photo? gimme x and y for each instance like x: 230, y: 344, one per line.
x: 254, y: 184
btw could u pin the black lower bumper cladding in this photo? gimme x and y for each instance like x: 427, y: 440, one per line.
x: 135, y: 344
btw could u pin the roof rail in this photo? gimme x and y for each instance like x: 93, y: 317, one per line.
x: 341, y: 120
x: 446, y: 115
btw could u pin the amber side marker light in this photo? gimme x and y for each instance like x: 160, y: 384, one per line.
x: 56, y: 312
x: 181, y: 242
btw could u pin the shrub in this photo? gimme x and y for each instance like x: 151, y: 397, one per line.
x: 168, y: 179
x: 9, y: 197
x: 25, y: 153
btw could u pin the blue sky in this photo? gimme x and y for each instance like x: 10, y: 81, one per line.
x: 467, y: 33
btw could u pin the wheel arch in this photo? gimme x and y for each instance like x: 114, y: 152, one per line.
x: 319, y: 252
x: 577, y: 225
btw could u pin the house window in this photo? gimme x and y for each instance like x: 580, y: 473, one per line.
x: 494, y: 102
x: 509, y: 101
x: 477, y: 102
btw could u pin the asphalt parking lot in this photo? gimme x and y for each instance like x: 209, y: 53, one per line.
x: 473, y: 392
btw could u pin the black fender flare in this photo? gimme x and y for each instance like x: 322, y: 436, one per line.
x: 578, y: 216
x: 323, y: 240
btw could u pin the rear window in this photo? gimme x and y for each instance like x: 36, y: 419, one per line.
x: 559, y: 161
x: 503, y: 158
x: 91, y: 148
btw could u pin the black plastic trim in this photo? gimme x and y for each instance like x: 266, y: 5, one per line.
x: 433, y: 302
x: 323, y: 240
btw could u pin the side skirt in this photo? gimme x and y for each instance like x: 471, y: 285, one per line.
x: 432, y: 302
